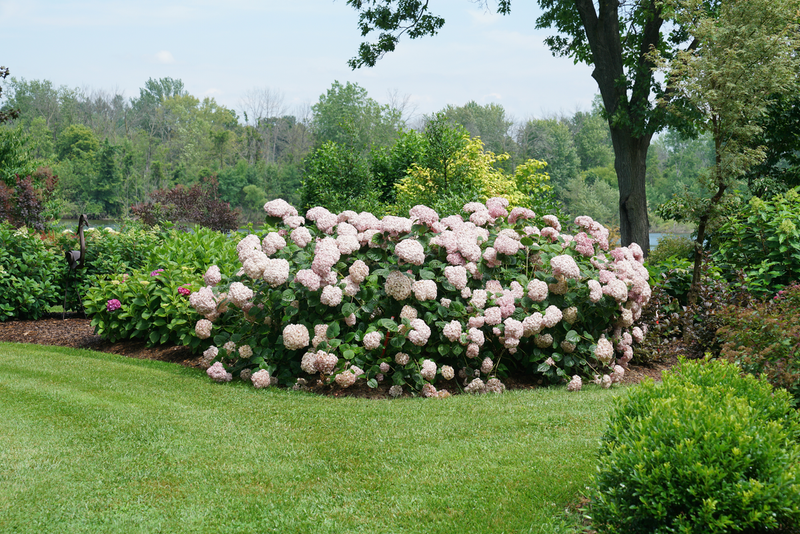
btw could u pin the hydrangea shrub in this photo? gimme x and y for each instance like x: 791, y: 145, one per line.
x: 411, y: 300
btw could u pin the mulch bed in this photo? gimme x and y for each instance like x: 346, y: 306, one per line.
x: 77, y: 332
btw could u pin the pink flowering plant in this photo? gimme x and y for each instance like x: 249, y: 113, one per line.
x: 150, y: 308
x: 155, y: 298
x: 421, y: 301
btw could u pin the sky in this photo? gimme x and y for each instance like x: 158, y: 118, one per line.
x: 294, y: 48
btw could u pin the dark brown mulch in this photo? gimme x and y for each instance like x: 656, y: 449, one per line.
x: 78, y: 333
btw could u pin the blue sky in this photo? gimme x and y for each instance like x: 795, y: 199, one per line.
x: 295, y: 48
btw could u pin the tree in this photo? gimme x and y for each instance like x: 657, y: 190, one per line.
x: 780, y: 135
x: 345, y: 114
x: 747, y: 53
x: 488, y: 122
x: 10, y: 114
x: 550, y: 140
x: 611, y: 35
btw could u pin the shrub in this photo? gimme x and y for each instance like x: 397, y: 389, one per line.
x: 153, y: 298
x: 199, y: 204
x: 352, y: 293
x: 671, y: 246
x: 146, y: 305
x: 764, y: 339
x: 763, y: 243
x: 707, y: 451
x: 30, y: 274
x: 109, y: 253
x: 31, y: 201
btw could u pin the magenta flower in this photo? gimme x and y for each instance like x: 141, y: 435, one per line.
x: 157, y: 272
x: 113, y: 305
x: 185, y: 291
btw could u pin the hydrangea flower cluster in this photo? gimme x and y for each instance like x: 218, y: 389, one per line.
x: 410, y: 299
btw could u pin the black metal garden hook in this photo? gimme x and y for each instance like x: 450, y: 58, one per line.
x: 75, y: 258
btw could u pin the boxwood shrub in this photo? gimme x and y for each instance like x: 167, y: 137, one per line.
x: 707, y: 451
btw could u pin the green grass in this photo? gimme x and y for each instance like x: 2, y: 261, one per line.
x: 93, y: 442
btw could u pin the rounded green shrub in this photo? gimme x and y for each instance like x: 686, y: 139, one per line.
x: 707, y: 451
x: 671, y: 246
x: 762, y: 243
x: 30, y: 274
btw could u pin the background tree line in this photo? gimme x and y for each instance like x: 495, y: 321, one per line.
x: 111, y: 153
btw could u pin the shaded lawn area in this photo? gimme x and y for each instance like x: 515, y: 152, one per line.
x: 93, y: 442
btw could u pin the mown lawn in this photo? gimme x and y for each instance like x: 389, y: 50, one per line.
x: 93, y: 442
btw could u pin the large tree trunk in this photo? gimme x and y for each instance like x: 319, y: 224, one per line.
x: 630, y: 163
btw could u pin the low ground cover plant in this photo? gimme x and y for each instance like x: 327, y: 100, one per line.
x: 707, y: 451
x: 412, y: 300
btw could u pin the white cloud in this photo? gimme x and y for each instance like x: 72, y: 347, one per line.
x: 165, y: 57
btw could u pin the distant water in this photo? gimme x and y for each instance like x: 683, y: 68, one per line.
x: 72, y: 224
x: 655, y: 237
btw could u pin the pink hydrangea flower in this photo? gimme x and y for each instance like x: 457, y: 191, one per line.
x: 428, y: 370
x: 480, y: 218
x: 247, y: 246
x: 301, y: 236
x: 239, y: 294
x: 309, y: 279
x: 294, y: 221
x: 398, y: 285
x: 497, y: 207
x: 604, y: 352
x: 424, y: 290
x: 564, y: 265
x: 452, y: 330
x: 326, y: 254
x: 424, y: 214
x: 575, y: 384
x: 493, y: 315
x: 331, y: 296
x: 272, y: 243
x: 212, y: 276
x: 420, y: 332
x: 617, y: 289
x: 203, y: 328
x: 595, y: 290
x: 203, y: 301
x: 552, y: 222
x: 532, y: 324
x: 295, y: 336
x: 326, y: 362
x: 410, y: 251
x: 401, y: 358
x: 394, y: 226
x: 520, y: 214
x: 185, y: 291
x: 324, y: 219
x: 261, y: 379
x: 279, y: 208
x: 276, y: 272
x: 218, y: 373
x: 552, y: 316
x: 372, y: 340
x: 113, y: 305
x: 456, y: 275
x: 537, y: 290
